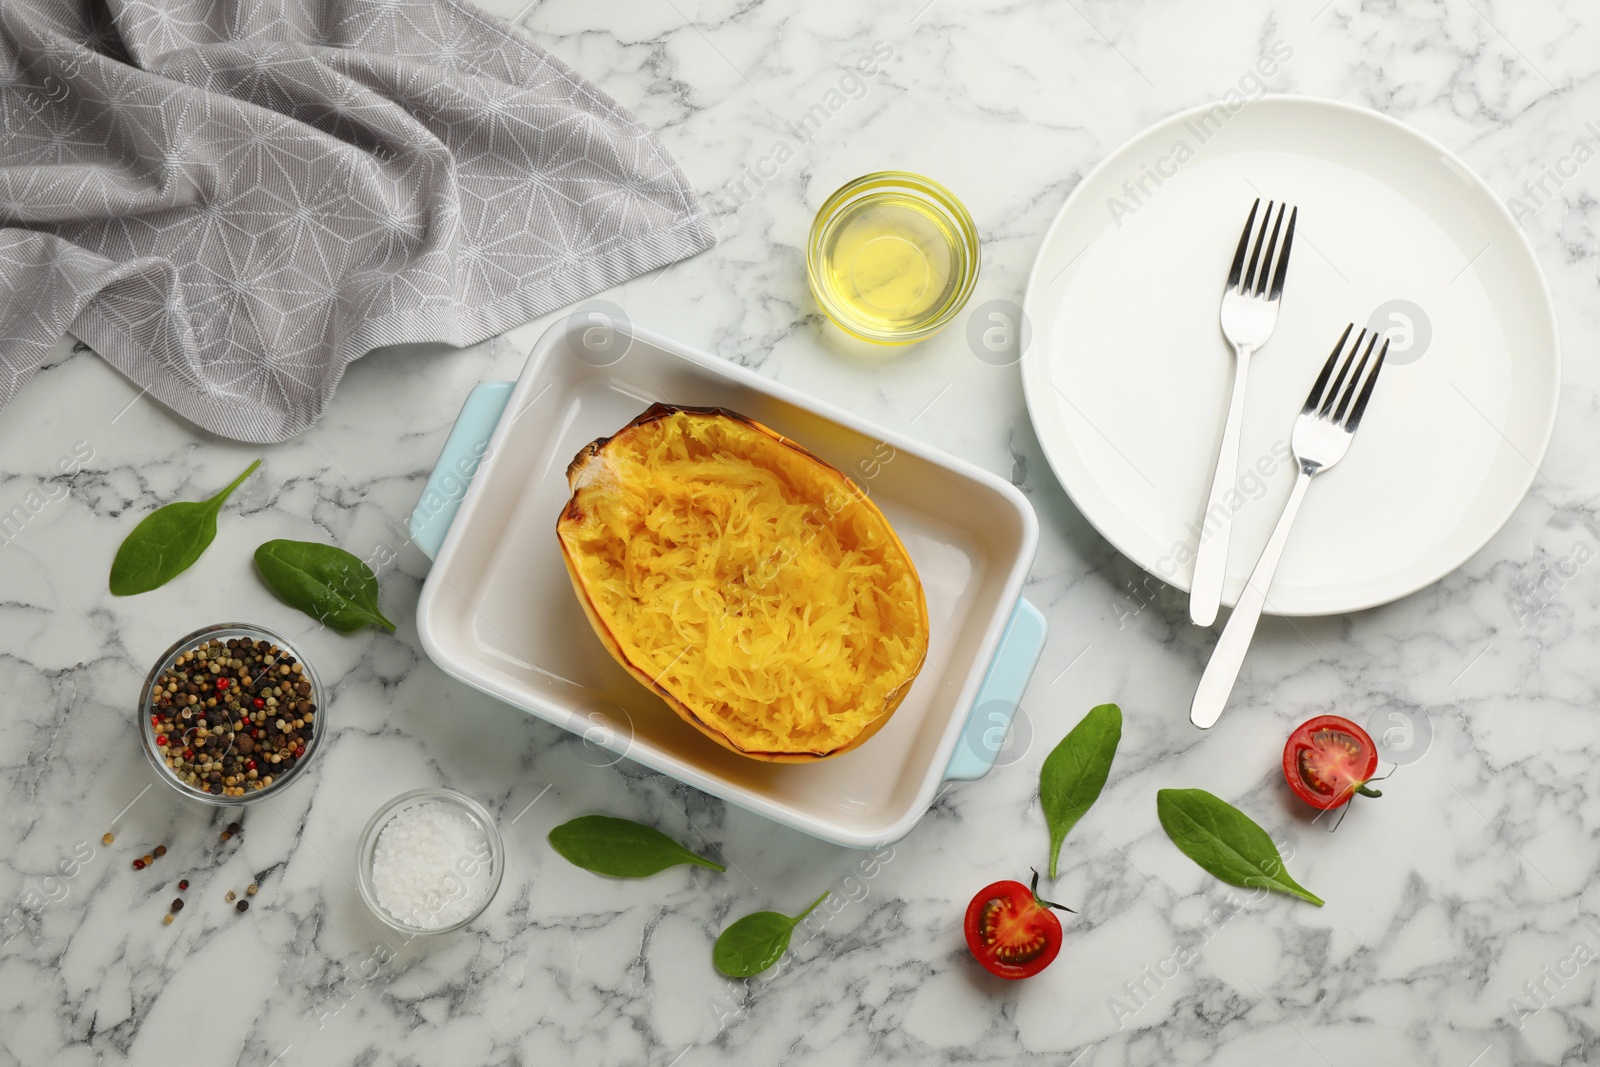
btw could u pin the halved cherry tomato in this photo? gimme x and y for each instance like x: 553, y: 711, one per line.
x: 1011, y: 931
x: 1328, y: 760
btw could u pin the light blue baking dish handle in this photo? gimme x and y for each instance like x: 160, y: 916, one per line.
x: 988, y: 727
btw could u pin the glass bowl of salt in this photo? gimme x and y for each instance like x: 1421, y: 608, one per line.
x: 429, y: 861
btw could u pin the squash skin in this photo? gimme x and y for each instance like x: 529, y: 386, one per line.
x: 573, y: 514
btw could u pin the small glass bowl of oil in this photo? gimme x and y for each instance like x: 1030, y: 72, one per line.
x: 892, y: 257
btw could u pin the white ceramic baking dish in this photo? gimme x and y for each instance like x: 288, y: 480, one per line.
x: 499, y: 613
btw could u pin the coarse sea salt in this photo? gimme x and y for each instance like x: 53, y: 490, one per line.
x: 431, y: 867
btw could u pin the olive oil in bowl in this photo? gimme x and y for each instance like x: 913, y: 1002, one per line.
x: 892, y: 258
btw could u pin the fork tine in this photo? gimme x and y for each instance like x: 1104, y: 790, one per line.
x: 1314, y: 398
x: 1249, y: 285
x: 1237, y: 269
x: 1283, y: 256
x: 1355, y: 379
x: 1272, y: 245
x: 1366, y: 392
x: 1336, y: 387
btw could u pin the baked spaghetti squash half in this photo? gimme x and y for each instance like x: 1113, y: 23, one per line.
x: 752, y: 586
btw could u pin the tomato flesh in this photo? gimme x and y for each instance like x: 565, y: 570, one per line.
x: 1327, y: 760
x: 1010, y: 932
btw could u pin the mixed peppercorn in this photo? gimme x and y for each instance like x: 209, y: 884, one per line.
x: 232, y: 716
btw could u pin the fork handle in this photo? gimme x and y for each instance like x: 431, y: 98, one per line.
x: 1211, y: 554
x: 1226, y: 659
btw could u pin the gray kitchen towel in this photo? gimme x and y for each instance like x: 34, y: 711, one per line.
x: 231, y: 200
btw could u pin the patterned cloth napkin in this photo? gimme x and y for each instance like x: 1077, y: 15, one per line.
x: 231, y: 200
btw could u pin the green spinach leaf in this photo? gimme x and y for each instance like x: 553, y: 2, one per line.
x: 1075, y: 772
x: 1225, y: 841
x: 620, y: 848
x: 327, y: 583
x: 168, y: 541
x: 757, y: 941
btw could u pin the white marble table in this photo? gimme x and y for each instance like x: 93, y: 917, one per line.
x: 1464, y: 893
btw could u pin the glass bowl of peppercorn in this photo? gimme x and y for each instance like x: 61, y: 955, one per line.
x: 231, y: 714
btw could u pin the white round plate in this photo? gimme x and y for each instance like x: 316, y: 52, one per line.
x: 1127, y: 373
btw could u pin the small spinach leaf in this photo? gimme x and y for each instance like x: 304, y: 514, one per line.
x: 757, y: 941
x: 1075, y: 772
x: 168, y: 541
x: 620, y: 848
x: 1225, y: 841
x: 327, y: 583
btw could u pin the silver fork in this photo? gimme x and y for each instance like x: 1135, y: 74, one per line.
x: 1321, y: 437
x: 1249, y: 312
